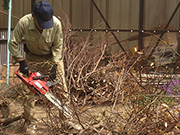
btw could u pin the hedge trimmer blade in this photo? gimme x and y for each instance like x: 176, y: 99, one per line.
x: 58, y: 103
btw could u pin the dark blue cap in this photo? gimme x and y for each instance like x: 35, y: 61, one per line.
x: 44, y: 14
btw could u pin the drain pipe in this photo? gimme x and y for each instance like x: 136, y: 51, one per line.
x: 9, y: 35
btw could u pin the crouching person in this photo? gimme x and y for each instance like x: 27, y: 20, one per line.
x: 43, y: 36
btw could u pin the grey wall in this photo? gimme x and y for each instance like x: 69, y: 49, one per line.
x: 120, y: 14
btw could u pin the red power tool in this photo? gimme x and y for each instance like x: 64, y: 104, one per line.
x: 36, y: 82
x: 39, y: 84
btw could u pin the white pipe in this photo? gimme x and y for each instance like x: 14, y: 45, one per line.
x: 9, y: 36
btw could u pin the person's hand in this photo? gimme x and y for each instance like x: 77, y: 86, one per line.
x: 52, y: 75
x: 23, y: 67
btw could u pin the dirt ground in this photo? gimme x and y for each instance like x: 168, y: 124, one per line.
x: 40, y: 114
x: 16, y: 109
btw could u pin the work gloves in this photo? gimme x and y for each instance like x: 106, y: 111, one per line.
x: 52, y: 75
x: 24, y: 68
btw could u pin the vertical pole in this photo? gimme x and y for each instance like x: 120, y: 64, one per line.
x: 9, y: 35
x: 141, y: 24
x: 179, y: 36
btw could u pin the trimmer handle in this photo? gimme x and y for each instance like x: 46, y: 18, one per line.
x: 40, y: 77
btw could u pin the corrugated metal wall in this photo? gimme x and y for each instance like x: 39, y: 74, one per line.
x: 120, y: 14
x: 3, y: 47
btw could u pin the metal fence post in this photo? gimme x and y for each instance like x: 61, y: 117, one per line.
x: 9, y: 35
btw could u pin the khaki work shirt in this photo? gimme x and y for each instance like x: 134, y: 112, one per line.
x: 49, y: 42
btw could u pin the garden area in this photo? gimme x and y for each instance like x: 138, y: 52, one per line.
x: 108, y: 93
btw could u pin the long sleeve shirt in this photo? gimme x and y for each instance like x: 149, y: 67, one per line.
x: 50, y: 41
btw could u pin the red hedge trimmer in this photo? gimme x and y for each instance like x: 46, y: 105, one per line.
x: 40, y: 85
